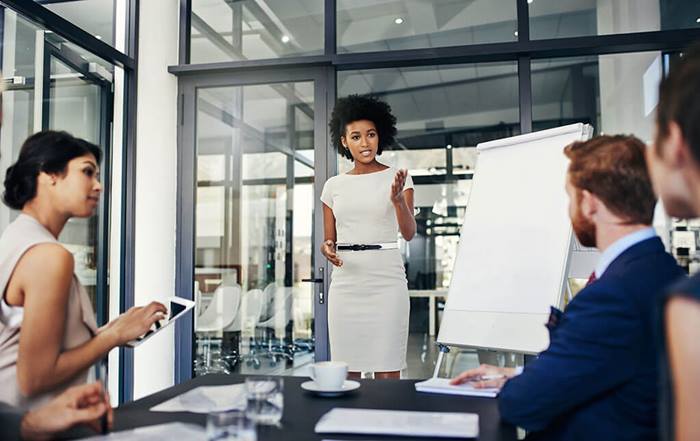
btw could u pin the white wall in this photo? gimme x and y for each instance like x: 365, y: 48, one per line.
x: 115, y: 240
x: 156, y: 185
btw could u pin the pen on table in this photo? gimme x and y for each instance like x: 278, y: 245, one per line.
x: 104, y: 423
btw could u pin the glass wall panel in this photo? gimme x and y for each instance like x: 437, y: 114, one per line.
x: 615, y: 93
x: 370, y: 26
x: 254, y: 224
x: 224, y: 30
x: 576, y: 18
x: 443, y: 112
x: 50, y: 84
x: 105, y: 19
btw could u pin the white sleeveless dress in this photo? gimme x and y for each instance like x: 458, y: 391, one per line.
x: 368, y: 304
x: 80, y: 326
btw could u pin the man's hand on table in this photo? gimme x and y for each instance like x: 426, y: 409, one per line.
x: 485, y: 376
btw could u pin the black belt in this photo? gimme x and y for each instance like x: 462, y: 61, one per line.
x: 359, y: 247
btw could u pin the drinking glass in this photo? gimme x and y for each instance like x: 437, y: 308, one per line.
x: 232, y: 425
x: 265, y: 399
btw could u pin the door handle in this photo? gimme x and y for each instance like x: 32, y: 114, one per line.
x: 319, y: 280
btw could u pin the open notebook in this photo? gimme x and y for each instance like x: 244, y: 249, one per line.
x: 443, y: 386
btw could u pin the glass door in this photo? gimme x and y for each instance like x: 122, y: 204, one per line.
x: 77, y: 98
x: 257, y: 147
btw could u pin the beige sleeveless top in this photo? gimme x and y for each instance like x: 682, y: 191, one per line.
x: 22, y: 234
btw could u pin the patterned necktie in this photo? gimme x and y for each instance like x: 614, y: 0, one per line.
x: 591, y: 279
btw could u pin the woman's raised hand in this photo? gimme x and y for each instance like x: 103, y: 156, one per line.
x: 328, y: 250
x: 397, y: 186
x: 135, y: 322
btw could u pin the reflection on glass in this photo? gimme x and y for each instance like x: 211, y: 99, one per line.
x: 442, y: 114
x: 224, y: 30
x: 576, y: 18
x: 614, y: 93
x: 371, y: 26
x: 254, y: 215
x: 74, y: 106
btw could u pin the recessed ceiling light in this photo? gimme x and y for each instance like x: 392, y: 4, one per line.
x: 515, y: 33
x: 285, y: 39
x: 99, y: 37
x: 449, y: 146
x: 529, y: 2
x: 697, y: 20
x: 398, y: 20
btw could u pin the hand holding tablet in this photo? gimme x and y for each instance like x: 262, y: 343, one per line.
x: 178, y: 308
x: 141, y: 322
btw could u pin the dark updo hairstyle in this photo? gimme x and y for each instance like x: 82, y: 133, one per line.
x: 358, y: 107
x: 679, y: 101
x: 49, y: 152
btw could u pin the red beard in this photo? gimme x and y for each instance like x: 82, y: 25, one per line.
x: 584, y: 230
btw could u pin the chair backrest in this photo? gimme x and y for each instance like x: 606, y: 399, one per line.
x: 268, y: 300
x: 198, y: 310
x: 302, y: 310
x: 197, y: 301
x: 249, y: 313
x: 283, y: 301
x: 221, y: 311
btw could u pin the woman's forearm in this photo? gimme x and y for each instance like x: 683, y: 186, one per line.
x: 406, y: 220
x: 36, y: 376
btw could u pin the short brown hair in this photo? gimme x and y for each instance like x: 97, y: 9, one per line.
x: 679, y: 100
x: 614, y: 169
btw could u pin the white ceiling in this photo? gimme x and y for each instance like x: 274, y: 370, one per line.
x: 94, y: 16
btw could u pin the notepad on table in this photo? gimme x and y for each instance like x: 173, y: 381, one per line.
x: 443, y: 386
x: 398, y: 422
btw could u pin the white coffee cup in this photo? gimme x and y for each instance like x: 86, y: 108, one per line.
x: 329, y: 375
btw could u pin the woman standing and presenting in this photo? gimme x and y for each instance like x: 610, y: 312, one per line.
x: 48, y: 335
x: 364, y: 209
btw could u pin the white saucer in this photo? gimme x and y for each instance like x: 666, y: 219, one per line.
x: 348, y: 386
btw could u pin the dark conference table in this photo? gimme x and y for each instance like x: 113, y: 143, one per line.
x: 302, y: 409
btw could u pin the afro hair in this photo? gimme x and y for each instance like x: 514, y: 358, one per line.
x: 358, y: 107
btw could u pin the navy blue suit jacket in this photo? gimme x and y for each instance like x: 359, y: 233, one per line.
x: 598, y: 379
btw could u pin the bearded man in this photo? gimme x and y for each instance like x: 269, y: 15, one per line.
x: 597, y: 380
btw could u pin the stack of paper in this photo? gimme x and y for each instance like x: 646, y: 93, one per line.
x: 443, y: 386
x: 206, y: 399
x: 160, y: 432
x: 395, y: 422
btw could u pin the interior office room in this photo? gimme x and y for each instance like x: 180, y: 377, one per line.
x: 213, y: 120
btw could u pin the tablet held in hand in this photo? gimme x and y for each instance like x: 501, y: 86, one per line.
x: 178, y: 307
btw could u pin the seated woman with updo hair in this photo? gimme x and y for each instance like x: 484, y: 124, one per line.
x: 48, y: 335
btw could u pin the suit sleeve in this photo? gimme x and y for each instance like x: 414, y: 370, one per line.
x: 594, y: 349
x: 10, y: 422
